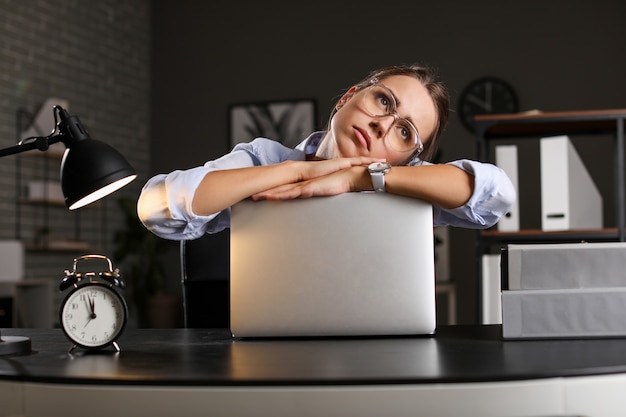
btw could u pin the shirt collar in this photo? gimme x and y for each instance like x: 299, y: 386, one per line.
x: 311, y: 144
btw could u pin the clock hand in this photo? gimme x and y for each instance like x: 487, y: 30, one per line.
x: 488, y: 94
x: 92, y: 308
x: 479, y: 102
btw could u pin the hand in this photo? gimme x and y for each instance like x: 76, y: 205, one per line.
x: 315, y: 169
x: 486, y: 105
x: 488, y: 95
x: 337, y: 182
x: 91, y: 306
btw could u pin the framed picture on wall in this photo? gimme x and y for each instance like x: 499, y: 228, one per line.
x: 288, y: 122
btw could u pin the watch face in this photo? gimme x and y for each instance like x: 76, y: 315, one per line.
x: 488, y: 95
x: 93, y: 315
x: 375, y: 167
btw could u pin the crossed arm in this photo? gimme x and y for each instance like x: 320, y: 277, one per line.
x: 444, y: 185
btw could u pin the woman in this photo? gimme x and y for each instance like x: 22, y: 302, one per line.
x: 394, y: 116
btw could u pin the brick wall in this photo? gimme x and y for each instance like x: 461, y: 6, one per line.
x: 95, y: 55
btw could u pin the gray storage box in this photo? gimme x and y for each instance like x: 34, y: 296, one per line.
x: 566, y: 313
x: 566, y: 265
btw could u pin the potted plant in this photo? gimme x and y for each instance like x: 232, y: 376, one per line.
x: 142, y: 253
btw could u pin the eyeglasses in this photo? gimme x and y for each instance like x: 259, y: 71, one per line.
x: 402, y: 136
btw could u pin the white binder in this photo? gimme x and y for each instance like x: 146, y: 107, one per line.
x: 506, y: 158
x: 569, y: 197
x: 491, y: 290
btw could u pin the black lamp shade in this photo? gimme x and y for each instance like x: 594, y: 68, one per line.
x: 90, y: 170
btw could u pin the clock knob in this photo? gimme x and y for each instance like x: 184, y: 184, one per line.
x: 113, y: 278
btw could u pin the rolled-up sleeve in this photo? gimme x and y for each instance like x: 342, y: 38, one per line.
x: 493, y: 196
x: 164, y: 205
x: 165, y: 202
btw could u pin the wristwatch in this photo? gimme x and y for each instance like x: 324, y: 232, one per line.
x: 377, y: 171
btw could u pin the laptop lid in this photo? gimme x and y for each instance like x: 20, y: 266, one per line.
x: 355, y: 264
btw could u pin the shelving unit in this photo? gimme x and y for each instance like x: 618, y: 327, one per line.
x: 42, y: 208
x: 491, y: 128
x: 46, y: 205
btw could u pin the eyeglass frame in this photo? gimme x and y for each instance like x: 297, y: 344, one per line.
x: 419, y: 146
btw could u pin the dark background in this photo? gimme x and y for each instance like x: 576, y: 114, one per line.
x: 558, y: 55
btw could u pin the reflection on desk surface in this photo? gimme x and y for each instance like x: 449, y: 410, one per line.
x: 201, y: 357
x: 395, y: 359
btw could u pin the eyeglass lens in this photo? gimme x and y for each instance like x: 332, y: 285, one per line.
x: 380, y: 102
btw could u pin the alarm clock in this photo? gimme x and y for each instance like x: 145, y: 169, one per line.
x: 94, y: 313
x: 486, y: 95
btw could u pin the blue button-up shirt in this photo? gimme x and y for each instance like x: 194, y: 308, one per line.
x: 165, y: 202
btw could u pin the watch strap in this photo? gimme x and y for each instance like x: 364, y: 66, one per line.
x: 378, y: 181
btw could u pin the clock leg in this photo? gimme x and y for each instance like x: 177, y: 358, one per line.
x: 117, y: 347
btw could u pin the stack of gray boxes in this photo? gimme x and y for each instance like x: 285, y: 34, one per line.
x: 570, y: 290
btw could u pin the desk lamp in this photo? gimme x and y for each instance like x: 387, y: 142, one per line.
x: 90, y: 170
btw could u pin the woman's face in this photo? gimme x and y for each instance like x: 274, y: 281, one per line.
x: 357, y: 133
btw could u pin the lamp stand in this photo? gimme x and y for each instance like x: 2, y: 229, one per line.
x: 14, y: 345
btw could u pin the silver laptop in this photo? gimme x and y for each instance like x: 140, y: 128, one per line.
x: 356, y: 264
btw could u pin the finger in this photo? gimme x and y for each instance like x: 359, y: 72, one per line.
x: 267, y: 194
x: 279, y: 195
x: 327, y: 167
x: 362, y: 160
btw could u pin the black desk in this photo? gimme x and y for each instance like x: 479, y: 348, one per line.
x: 463, y: 370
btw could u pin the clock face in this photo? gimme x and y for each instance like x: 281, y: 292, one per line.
x: 488, y: 95
x: 93, y: 315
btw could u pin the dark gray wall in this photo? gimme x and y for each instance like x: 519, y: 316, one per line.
x: 97, y: 58
x: 560, y: 55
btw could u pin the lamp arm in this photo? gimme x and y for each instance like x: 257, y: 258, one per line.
x: 43, y: 142
x: 36, y: 142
